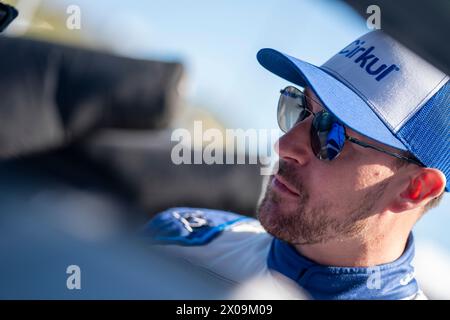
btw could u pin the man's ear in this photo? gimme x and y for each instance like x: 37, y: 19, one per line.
x: 425, y: 185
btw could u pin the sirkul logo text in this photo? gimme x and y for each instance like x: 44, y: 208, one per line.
x: 367, y: 60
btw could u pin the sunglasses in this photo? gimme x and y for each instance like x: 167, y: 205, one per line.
x: 327, y: 133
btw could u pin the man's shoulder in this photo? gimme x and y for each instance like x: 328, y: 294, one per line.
x: 231, y: 245
x: 197, y: 226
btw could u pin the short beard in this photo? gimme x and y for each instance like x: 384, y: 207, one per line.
x: 306, y: 225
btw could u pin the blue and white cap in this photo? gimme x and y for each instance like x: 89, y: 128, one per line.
x: 382, y: 90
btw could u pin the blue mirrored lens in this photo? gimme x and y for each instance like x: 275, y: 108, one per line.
x: 327, y: 136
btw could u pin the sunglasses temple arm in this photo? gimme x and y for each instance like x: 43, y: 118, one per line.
x: 398, y: 156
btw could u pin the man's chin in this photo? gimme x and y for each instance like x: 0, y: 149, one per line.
x: 275, y: 204
x: 275, y: 222
x: 273, y: 210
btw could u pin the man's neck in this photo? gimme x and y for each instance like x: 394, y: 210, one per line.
x: 356, y: 252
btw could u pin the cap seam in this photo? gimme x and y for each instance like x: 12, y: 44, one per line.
x: 422, y: 102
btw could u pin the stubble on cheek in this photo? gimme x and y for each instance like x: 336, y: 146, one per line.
x: 297, y: 223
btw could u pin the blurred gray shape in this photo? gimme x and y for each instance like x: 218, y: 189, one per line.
x: 141, y: 160
x: 52, y: 95
x: 70, y: 189
x: 37, y: 253
x: 422, y: 26
x: 58, y: 209
x: 58, y: 101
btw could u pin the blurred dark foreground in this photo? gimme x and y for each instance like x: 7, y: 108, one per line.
x: 84, y: 161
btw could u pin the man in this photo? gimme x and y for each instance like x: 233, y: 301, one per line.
x: 365, y: 154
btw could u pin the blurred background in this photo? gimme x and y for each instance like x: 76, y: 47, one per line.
x: 88, y: 106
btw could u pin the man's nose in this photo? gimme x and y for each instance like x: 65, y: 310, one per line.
x: 295, y: 144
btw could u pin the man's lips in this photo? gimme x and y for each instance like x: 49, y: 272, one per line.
x: 284, y: 186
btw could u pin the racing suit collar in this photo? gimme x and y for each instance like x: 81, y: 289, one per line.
x: 393, y: 280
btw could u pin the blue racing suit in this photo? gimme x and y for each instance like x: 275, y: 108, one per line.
x: 237, y: 248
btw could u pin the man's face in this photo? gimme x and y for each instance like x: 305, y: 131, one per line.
x: 313, y: 201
